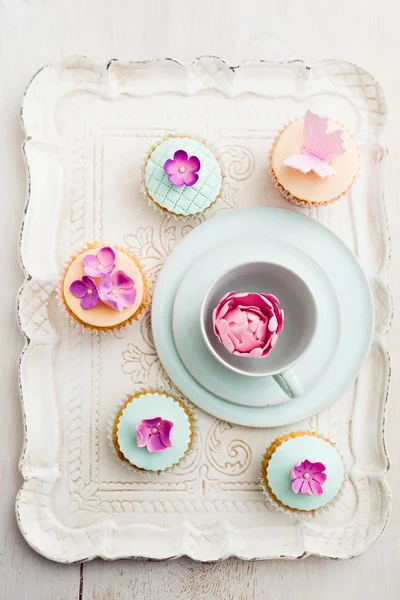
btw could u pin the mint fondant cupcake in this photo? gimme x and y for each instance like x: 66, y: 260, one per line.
x: 302, y: 473
x: 103, y: 288
x: 152, y: 431
x: 182, y: 176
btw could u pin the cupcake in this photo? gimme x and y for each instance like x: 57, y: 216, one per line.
x: 182, y: 176
x: 103, y: 288
x: 313, y: 161
x: 152, y: 431
x: 302, y: 473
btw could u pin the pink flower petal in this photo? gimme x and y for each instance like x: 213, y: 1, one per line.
x: 170, y: 167
x: 122, y: 281
x: 296, y: 484
x: 181, y: 157
x: 78, y: 289
x: 306, y: 488
x: 193, y: 164
x: 316, y: 488
x: 176, y: 180
x: 90, y: 261
x: 165, y: 428
x: 317, y: 467
x: 126, y: 297
x: 307, y: 465
x: 319, y: 477
x: 106, y: 258
x: 236, y: 316
x: 273, y: 323
x: 189, y: 178
x: 90, y: 300
x: 153, y: 422
x: 106, y: 285
x: 155, y: 444
x: 142, y: 434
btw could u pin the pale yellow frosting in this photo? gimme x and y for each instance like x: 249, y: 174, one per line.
x: 309, y: 187
x: 103, y: 316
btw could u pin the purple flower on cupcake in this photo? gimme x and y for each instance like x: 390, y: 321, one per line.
x: 117, y: 290
x: 87, y: 291
x: 101, y: 264
x: 308, y: 478
x: 248, y: 324
x: 154, y: 434
x: 182, y: 170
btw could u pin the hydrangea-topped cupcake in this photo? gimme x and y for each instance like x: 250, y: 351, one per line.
x: 152, y: 431
x: 313, y: 161
x: 182, y: 176
x: 103, y: 288
x: 302, y: 473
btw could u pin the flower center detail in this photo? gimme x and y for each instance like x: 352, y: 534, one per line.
x: 154, y: 430
x: 182, y: 169
x: 114, y: 291
x: 89, y: 292
x: 306, y: 475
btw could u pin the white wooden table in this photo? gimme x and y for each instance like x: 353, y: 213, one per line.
x: 35, y: 32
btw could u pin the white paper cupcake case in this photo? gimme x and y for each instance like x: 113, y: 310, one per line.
x: 297, y: 201
x: 157, y: 207
x: 298, y: 514
x: 88, y: 328
x: 144, y: 472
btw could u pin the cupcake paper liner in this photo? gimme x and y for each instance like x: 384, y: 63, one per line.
x: 301, y: 515
x: 112, y: 424
x: 293, y: 199
x: 81, y: 325
x: 160, y: 209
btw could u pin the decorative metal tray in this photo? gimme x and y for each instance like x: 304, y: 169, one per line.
x: 88, y: 129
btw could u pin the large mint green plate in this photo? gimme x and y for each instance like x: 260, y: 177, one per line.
x: 339, y: 264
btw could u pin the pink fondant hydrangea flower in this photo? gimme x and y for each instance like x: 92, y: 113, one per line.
x: 308, y: 478
x: 248, y: 324
x: 86, y: 290
x: 117, y: 290
x: 182, y: 170
x: 100, y: 264
x: 154, y: 434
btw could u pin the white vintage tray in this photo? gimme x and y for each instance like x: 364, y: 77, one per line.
x: 88, y: 128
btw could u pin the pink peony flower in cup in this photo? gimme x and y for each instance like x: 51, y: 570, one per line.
x: 86, y: 290
x: 248, y: 324
x: 308, y: 478
x: 155, y: 434
x: 182, y: 170
x: 101, y: 264
x: 117, y: 290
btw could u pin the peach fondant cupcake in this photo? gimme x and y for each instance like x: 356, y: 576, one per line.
x: 104, y: 288
x: 313, y: 161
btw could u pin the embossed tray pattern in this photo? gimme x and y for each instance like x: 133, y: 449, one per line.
x: 88, y: 129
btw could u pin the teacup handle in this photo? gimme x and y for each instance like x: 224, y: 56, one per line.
x: 289, y: 383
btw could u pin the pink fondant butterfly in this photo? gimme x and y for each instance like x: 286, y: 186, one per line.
x: 319, y: 147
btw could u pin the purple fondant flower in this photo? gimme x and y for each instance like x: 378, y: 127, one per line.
x: 86, y: 290
x: 100, y: 264
x: 155, y: 434
x: 248, y: 324
x: 182, y: 170
x: 308, y: 478
x: 117, y: 290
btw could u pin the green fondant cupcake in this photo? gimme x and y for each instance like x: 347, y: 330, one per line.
x: 182, y: 176
x: 302, y: 473
x: 152, y: 431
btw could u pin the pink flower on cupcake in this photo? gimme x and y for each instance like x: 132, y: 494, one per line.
x: 182, y: 170
x: 248, y: 324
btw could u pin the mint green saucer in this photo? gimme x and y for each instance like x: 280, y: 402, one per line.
x: 339, y: 264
